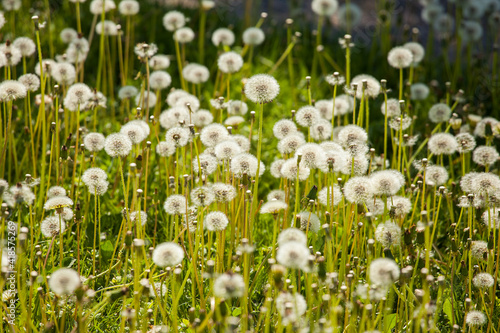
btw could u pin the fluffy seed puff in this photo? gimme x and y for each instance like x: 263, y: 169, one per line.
x: 117, y: 145
x: 400, y: 57
x: 358, y: 189
x: 184, y: 35
x: 307, y: 115
x: 439, y: 112
x: 245, y: 163
x: 290, y: 167
x: 475, y: 318
x: 253, y: 36
x: 372, y: 86
x: 175, y: 205
x: 167, y: 254
x: 94, y: 141
x: 293, y: 255
x: 442, y: 144
x: 11, y: 90
x: 261, y: 88
x: 485, y: 155
x: 58, y: 203
x: 174, y: 20
x: 52, y: 225
x: 64, y: 281
x: 273, y: 207
x: 213, y: 134
x: 331, y: 195
x: 216, y: 221
x: 178, y: 136
x: 223, y: 36
x: 291, y: 143
x: 292, y: 235
x: 383, y: 271
x: 308, y: 221
x: 387, y: 182
x: 229, y: 285
x: 483, y: 280
x: 388, y: 234
x: 324, y: 7
x: 230, y: 62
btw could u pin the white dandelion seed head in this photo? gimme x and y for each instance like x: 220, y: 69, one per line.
x: 229, y: 285
x: 174, y: 116
x: 76, y: 96
x: 436, y: 175
x: 485, y: 155
x: 179, y: 136
x: 77, y: 50
x: 174, y: 20
x: 230, y: 62
x: 253, y: 36
x: 331, y: 146
x: 475, y: 318
x: 97, y: 6
x: 245, y: 163
x: 25, y: 45
x: 117, y: 145
x: 343, y: 104
x: 261, y: 88
x: 387, y: 182
x: 208, y: 164
x: 324, y: 7
x: 12, y: 54
x: 93, y: 176
x: 127, y: 92
x: 139, y: 216
x: 465, y: 142
x: 202, y: 118
x: 291, y: 307
x: 134, y: 132
x: 331, y: 195
x: 202, y: 196
x: 30, y: 81
x: 372, y: 89
x: 226, y: 150
x: 284, y: 127
x: 307, y: 115
x: 325, y: 108
x: 51, y: 226
x: 419, y: 91
x: 56, y: 191
x: 334, y: 161
x: 64, y: 73
x: 485, y: 183
x: 400, y: 123
x: 308, y: 221
x: 388, y: 234
x: 108, y: 28
x: 349, y: 15
x: 237, y: 108
x: 383, y: 271
x: 159, y: 80
x: 289, y: 170
x: 165, y: 149
x: 175, y: 204
x: 439, y: 112
x: 352, y: 134
x: 99, y: 188
x: 471, y: 31
x: 184, y: 35
x: 375, y: 206
x: 224, y: 192
x: 243, y: 141
x: 64, y: 281
x: 491, y: 218
x: 159, y: 62
x: 196, y: 73
x: 128, y: 7
x: 359, y: 189
x: 275, y: 168
x: 147, y: 100
x: 442, y: 144
x: 321, y: 130
x: 234, y: 121
x: 273, y: 207
x: 168, y: 254
x: 401, y: 205
x: 393, y: 107
x: 216, y: 221
x: 66, y: 214
x: 213, y: 134
x: 483, y: 280
x: 480, y: 129
x: 223, y: 36
x: 311, y: 153
x: 479, y: 249
x: 276, y: 195
x: 11, y: 5
x: 400, y: 57
x: 144, y: 125
x: 292, y: 254
x: 57, y: 202
x: 11, y: 90
x: 417, y: 51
